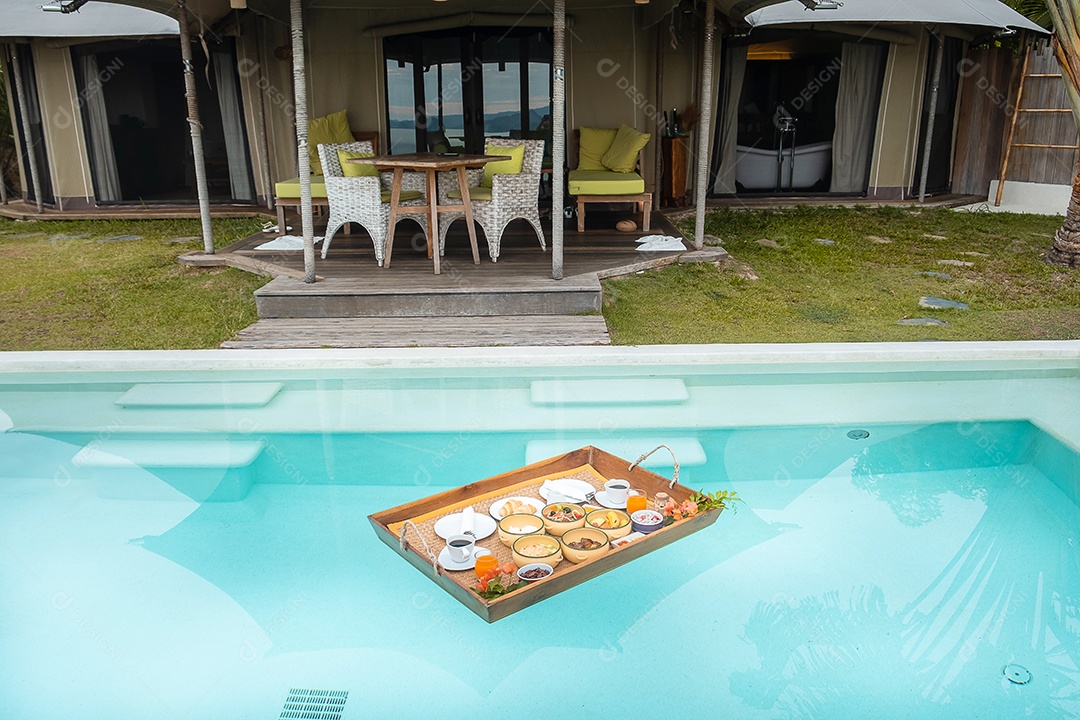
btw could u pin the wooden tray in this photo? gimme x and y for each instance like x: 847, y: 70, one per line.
x: 589, y: 463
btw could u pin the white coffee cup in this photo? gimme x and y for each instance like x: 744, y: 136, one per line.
x: 461, y: 547
x: 617, y: 490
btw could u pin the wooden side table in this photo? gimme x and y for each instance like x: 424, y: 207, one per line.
x: 673, y: 183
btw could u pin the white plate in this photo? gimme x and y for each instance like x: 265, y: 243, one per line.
x: 580, y: 487
x: 448, y: 525
x: 496, y: 506
x: 602, y: 499
x: 448, y: 562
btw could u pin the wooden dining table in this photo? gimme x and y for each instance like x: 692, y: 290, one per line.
x: 430, y: 164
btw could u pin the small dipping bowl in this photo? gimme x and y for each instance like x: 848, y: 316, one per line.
x: 549, y: 551
x: 518, y: 525
x: 646, y: 521
x: 534, y: 566
x: 558, y: 527
x: 620, y: 526
x: 577, y: 555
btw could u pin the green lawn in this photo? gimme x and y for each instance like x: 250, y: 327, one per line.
x: 857, y: 289
x: 63, y: 289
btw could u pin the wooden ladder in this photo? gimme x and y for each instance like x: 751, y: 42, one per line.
x: 1010, y: 143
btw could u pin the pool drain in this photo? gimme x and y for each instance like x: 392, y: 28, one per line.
x: 858, y: 434
x: 304, y: 704
x: 1017, y: 674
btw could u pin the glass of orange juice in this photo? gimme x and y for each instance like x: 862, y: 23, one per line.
x: 484, y: 563
x: 636, y: 501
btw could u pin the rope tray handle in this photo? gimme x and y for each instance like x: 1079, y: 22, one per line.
x: 674, y: 475
x: 403, y: 544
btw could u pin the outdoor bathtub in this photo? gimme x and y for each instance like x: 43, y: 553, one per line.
x: 755, y: 168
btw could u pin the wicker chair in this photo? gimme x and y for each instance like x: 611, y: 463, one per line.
x: 512, y: 197
x: 360, y: 199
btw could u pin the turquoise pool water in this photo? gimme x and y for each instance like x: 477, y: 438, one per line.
x: 176, y: 548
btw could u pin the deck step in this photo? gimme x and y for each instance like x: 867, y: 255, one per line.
x: 422, y: 332
x: 216, y: 470
x: 199, y: 395
x: 285, y: 297
x: 613, y: 391
x: 687, y: 449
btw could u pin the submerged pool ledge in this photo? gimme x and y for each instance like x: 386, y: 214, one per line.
x: 1062, y: 354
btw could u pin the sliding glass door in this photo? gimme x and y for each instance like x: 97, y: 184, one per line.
x: 448, y: 90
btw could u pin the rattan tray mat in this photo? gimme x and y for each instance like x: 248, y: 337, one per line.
x: 425, y: 525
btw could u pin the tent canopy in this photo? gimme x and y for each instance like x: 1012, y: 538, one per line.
x: 977, y: 15
x: 24, y: 19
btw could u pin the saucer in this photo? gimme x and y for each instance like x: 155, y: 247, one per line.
x: 602, y: 499
x: 483, y: 525
x: 448, y: 563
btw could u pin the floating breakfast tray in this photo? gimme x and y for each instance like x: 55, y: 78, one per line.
x: 410, y: 529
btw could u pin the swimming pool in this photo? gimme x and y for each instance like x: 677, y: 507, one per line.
x: 185, y: 534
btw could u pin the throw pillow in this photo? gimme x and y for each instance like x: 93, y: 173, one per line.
x: 349, y: 169
x: 622, y: 156
x: 503, y: 167
x: 333, y: 128
x: 592, y: 144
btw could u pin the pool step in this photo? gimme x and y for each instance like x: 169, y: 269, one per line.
x: 194, y: 395
x: 687, y: 449
x: 214, y: 470
x: 611, y: 391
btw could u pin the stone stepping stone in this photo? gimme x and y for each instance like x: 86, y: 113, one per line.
x: 711, y: 240
x: 956, y: 263
x: 878, y: 240
x: 824, y: 241
x: 931, y: 273
x: 61, y: 238
x: 929, y: 236
x: 934, y: 303
x: 930, y: 322
x: 972, y: 253
x: 766, y: 242
x: 120, y: 238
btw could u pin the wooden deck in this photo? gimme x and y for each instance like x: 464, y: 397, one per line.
x: 356, y: 303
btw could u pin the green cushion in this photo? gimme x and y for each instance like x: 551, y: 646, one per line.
x: 503, y: 167
x: 405, y: 196
x: 604, y: 182
x: 349, y: 169
x: 592, y: 144
x: 622, y: 156
x: 333, y: 128
x: 290, y: 189
x: 475, y: 193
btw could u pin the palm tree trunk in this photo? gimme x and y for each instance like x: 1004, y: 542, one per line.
x: 558, y: 136
x: 701, y: 184
x: 1066, y: 249
x: 196, y: 130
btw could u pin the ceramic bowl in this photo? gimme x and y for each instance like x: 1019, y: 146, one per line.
x: 558, y: 527
x: 518, y: 525
x: 533, y: 549
x: 534, y: 566
x: 614, y: 523
x: 646, y: 521
x: 577, y: 555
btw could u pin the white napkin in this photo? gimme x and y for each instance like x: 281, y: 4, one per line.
x: 564, y: 489
x: 468, y: 520
x: 287, y: 242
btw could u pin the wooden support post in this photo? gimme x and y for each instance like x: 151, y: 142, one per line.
x: 934, y: 87
x: 196, y: 129
x: 558, y: 138
x: 296, y: 18
x: 700, y: 188
x: 658, y: 167
x: 1012, y: 127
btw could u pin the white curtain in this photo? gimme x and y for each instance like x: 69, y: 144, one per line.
x: 106, y: 177
x: 734, y: 72
x: 856, y: 115
x: 232, y: 122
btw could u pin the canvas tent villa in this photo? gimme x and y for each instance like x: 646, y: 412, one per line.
x: 844, y: 91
